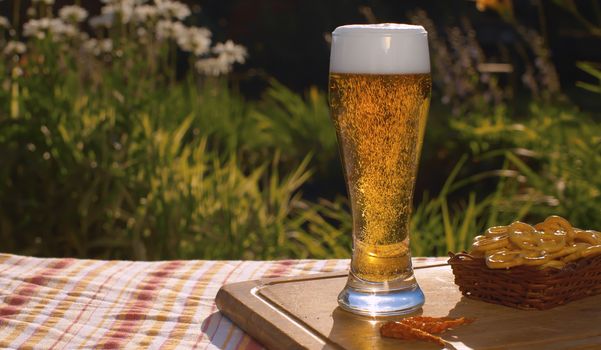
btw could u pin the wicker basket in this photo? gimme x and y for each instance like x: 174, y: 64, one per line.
x: 526, y: 287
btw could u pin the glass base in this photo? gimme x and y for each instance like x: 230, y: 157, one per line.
x: 398, y: 297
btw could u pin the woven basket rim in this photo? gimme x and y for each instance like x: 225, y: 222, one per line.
x: 463, y: 257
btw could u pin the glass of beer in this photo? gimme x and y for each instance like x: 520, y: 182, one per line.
x: 379, y: 97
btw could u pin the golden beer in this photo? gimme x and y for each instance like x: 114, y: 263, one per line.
x: 379, y: 96
x: 379, y: 120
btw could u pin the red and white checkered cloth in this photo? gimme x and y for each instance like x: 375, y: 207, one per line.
x: 71, y: 303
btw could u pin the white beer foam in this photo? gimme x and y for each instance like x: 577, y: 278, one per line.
x: 387, y: 48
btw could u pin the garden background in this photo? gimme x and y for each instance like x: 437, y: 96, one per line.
x: 200, y: 129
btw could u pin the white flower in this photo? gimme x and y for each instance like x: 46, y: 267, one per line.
x: 90, y: 45
x: 144, y: 13
x: 169, y: 30
x: 31, y: 28
x: 142, y: 32
x: 36, y: 28
x: 14, y: 48
x: 133, y: 2
x: 73, y: 13
x: 39, y: 28
x: 102, y: 21
x: 122, y: 9
x: 195, y: 40
x: 106, y: 45
x: 97, y: 47
x: 164, y: 29
x: 4, y: 23
x: 231, y: 52
x: 60, y: 29
x: 212, y: 66
x: 173, y: 9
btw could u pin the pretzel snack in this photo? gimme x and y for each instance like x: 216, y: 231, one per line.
x: 550, y: 244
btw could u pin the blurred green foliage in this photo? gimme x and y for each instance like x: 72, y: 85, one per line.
x: 106, y: 154
x: 98, y: 163
x: 169, y: 178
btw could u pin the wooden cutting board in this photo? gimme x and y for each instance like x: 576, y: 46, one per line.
x: 302, y: 313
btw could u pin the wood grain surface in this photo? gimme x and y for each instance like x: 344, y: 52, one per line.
x: 302, y: 313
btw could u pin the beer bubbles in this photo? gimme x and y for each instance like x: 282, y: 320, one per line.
x: 379, y: 97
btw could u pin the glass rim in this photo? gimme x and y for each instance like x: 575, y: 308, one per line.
x: 381, y: 29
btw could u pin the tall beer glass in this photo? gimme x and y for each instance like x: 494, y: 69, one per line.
x: 379, y: 97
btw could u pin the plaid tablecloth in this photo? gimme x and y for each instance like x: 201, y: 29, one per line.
x: 71, y: 303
